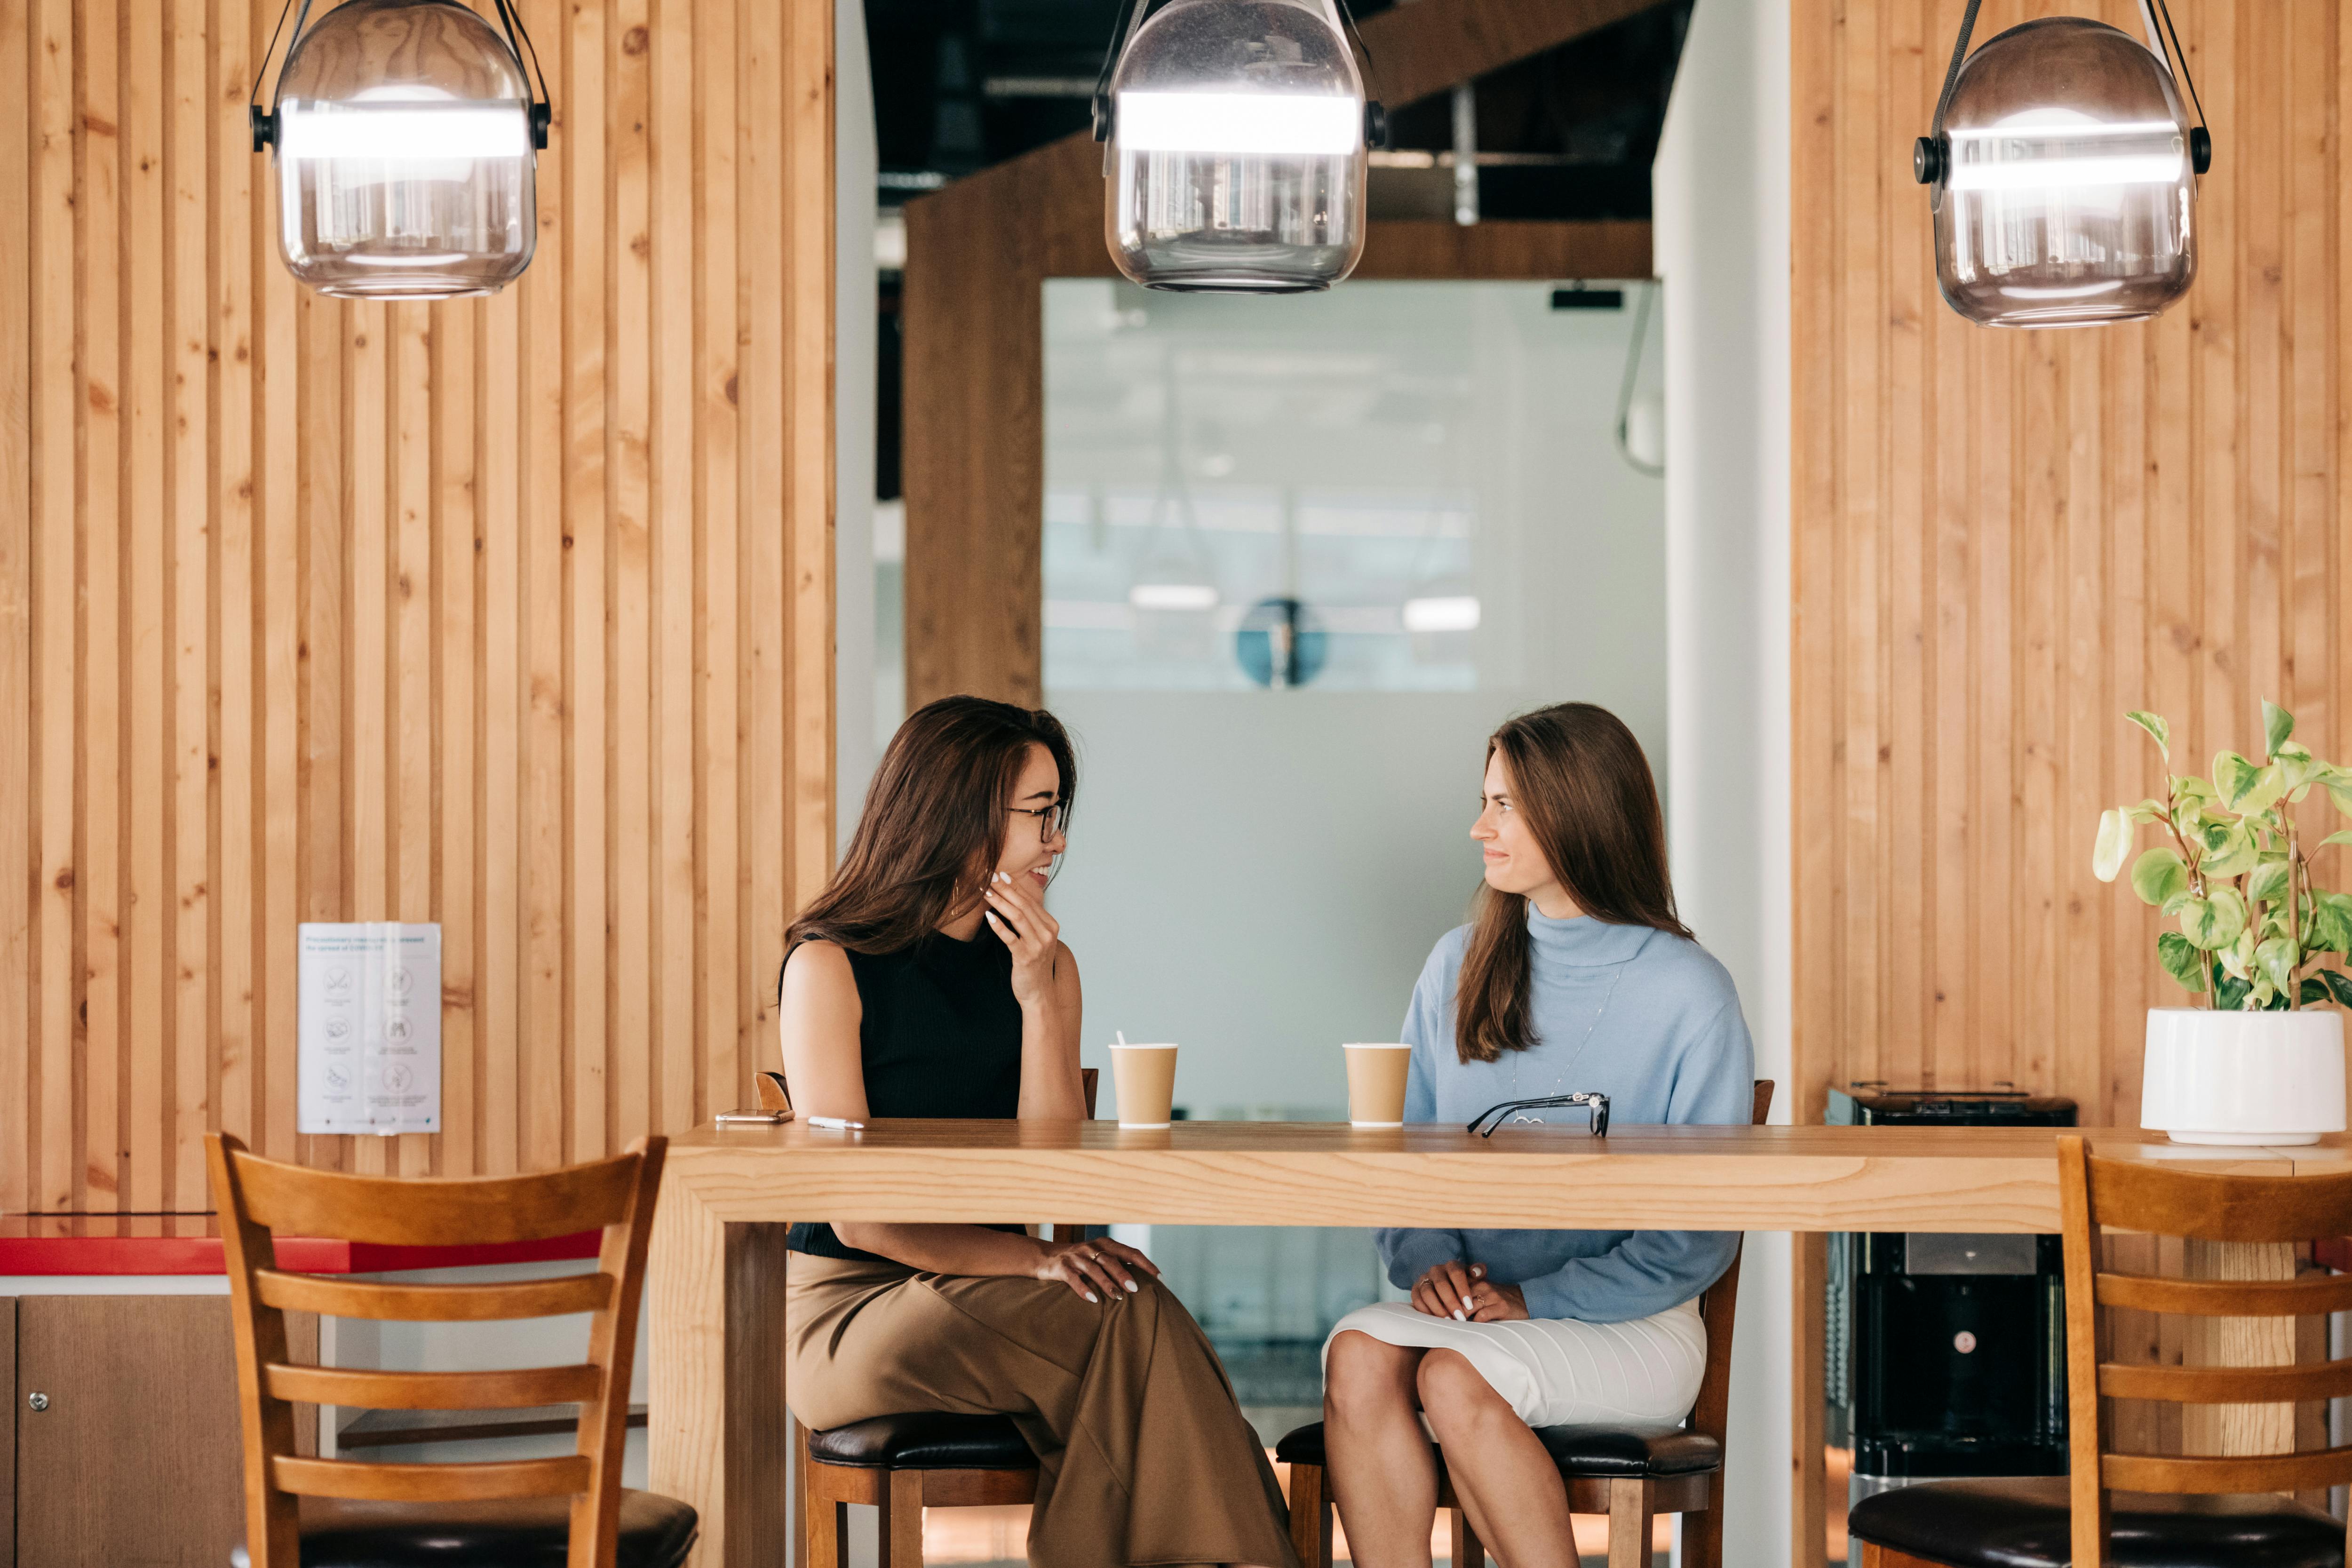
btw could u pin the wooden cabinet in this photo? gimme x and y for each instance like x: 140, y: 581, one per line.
x: 126, y: 1432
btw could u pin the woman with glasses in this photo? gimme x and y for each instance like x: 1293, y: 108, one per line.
x: 1574, y: 978
x: 928, y: 979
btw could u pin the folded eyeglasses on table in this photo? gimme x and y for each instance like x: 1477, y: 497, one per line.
x: 1495, y: 1116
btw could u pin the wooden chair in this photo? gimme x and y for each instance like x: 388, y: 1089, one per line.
x: 1607, y: 1469
x: 2186, y: 1522
x: 342, y: 1513
x: 905, y: 1464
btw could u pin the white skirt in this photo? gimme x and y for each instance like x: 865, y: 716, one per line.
x: 1560, y: 1372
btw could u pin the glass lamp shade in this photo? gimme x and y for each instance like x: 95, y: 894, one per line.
x: 2067, y: 196
x: 1236, y: 155
x: 404, y: 150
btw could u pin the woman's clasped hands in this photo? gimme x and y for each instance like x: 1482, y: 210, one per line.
x: 1462, y: 1292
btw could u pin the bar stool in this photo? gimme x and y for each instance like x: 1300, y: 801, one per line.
x: 903, y: 1464
x: 342, y: 1513
x: 2170, y: 1512
x: 1608, y: 1470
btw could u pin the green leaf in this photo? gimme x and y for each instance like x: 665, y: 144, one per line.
x: 2331, y: 926
x: 2146, y: 814
x: 2275, y: 960
x: 2190, y: 787
x: 2234, y: 777
x: 2230, y: 996
x: 2155, y: 726
x: 2270, y: 881
x: 2329, y: 930
x: 2158, y: 875
x: 2231, y: 850
x: 2277, y: 725
x: 2310, y: 991
x: 2214, y: 922
x: 2181, y: 960
x: 2113, y: 842
x: 2341, y: 836
x: 2337, y: 987
x: 2244, y: 786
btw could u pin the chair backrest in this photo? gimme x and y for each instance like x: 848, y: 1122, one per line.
x: 2166, y: 1200
x: 1718, y: 1309
x: 261, y: 1199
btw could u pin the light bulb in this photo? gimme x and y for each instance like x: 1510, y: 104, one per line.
x: 405, y: 132
x: 1193, y: 596
x: 1266, y: 124
x: 1442, y: 613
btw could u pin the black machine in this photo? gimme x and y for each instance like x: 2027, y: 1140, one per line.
x: 1946, y: 1353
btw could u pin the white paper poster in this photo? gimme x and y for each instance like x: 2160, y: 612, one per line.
x: 369, y: 1028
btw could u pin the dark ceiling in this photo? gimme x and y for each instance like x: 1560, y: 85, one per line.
x: 962, y: 84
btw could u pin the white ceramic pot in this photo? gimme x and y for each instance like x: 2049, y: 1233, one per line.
x: 2243, y: 1077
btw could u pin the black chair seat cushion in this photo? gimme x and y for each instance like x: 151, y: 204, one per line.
x: 1608, y: 1452
x: 2025, y: 1524
x: 928, y: 1440
x: 525, y: 1533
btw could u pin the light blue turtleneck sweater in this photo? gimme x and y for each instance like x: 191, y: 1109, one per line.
x: 1669, y: 1044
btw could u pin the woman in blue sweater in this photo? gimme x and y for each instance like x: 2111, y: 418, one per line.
x: 1575, y: 974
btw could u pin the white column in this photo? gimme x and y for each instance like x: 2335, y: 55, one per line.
x: 1722, y: 247
x: 856, y: 163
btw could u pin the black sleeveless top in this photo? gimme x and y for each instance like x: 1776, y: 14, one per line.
x: 941, y: 1037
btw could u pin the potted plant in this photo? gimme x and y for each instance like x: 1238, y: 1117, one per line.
x: 2263, y: 1060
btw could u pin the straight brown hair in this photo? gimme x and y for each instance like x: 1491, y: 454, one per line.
x: 1579, y: 782
x: 934, y: 822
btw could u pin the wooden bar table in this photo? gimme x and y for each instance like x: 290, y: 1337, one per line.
x: 715, y: 1293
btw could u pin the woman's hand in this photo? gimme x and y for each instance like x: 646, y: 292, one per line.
x: 1017, y: 915
x: 1495, y: 1303
x: 1105, y: 1265
x: 1460, y: 1291
x: 1443, y: 1291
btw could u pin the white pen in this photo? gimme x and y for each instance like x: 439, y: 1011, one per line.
x: 841, y: 1123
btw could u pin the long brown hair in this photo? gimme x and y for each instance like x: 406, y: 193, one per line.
x: 934, y: 822
x: 1579, y: 782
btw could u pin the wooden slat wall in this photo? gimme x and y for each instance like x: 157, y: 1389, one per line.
x: 508, y: 614
x: 2004, y: 540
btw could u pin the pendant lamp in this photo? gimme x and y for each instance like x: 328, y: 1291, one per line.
x: 405, y: 135
x: 2063, y: 169
x: 1236, y: 131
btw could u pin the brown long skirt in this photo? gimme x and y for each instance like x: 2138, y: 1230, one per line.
x: 1142, y: 1454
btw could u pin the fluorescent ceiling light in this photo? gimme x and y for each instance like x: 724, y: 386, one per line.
x: 1453, y: 613
x: 1172, y: 596
x: 405, y: 131
x: 1267, y: 124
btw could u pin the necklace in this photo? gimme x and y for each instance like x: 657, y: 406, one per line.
x: 1618, y: 972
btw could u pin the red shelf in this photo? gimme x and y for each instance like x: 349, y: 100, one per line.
x: 190, y: 1244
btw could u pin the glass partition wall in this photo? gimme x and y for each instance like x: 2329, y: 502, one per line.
x: 1300, y: 556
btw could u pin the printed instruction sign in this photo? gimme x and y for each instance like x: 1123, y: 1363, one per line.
x: 369, y: 1029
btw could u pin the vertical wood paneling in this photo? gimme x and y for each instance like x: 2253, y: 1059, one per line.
x: 2003, y: 540
x: 511, y: 613
x: 47, y: 634
x: 99, y: 798
x: 21, y: 46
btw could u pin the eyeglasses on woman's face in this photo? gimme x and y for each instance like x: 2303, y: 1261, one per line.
x: 1053, y: 819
